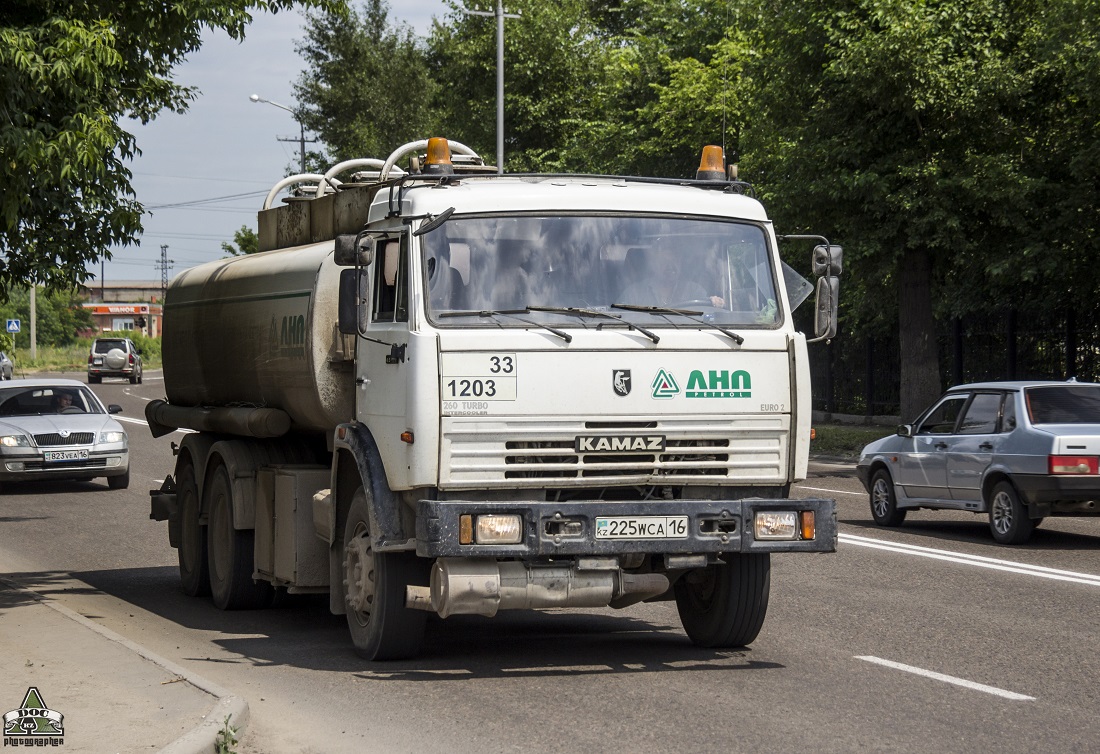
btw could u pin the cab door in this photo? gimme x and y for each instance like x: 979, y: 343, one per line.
x: 383, y: 379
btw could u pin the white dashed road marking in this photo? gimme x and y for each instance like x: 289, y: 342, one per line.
x: 947, y: 679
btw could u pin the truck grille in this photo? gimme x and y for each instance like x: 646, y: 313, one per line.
x: 534, y: 453
x: 75, y: 438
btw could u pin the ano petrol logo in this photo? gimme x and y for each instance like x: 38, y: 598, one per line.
x: 33, y: 723
x: 714, y: 383
x: 719, y: 384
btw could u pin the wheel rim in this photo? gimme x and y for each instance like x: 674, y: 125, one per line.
x: 1001, y: 510
x: 880, y: 498
x: 359, y: 574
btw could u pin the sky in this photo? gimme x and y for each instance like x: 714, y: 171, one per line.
x: 225, y: 145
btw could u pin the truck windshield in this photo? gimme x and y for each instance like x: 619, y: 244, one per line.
x: 720, y: 271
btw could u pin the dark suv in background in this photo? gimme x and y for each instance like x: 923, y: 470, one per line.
x: 114, y: 357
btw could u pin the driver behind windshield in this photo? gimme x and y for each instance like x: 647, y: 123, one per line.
x: 659, y: 281
x: 62, y: 401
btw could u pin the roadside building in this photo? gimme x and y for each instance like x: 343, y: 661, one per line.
x: 126, y: 305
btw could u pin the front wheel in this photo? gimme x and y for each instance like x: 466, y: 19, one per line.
x: 884, y: 503
x: 724, y: 605
x: 381, y: 627
x: 230, y: 552
x: 119, y: 482
x: 1008, y: 519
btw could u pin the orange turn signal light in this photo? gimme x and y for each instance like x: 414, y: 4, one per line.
x: 806, y: 519
x: 465, y: 529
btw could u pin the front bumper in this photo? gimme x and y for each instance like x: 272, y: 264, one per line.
x: 29, y: 466
x: 714, y: 526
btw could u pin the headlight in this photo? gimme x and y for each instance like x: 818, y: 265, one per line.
x: 776, y: 525
x: 15, y: 441
x: 114, y: 436
x: 490, y: 529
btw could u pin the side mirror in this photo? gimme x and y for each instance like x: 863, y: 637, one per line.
x: 826, y: 307
x: 828, y: 261
x: 347, y: 308
x: 354, y: 250
x: 114, y: 408
x: 905, y: 430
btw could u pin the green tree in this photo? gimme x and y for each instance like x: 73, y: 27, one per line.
x: 894, y: 127
x: 60, y: 315
x: 69, y: 72
x: 366, y: 89
x: 245, y: 241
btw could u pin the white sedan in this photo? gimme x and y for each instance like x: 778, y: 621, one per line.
x: 59, y: 429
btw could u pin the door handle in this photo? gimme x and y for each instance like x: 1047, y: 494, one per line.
x: 986, y: 446
x: 940, y: 446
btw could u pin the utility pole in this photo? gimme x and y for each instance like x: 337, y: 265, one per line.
x: 165, y: 264
x: 500, y: 16
x: 34, y: 322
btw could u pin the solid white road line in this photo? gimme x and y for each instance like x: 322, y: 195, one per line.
x: 978, y: 561
x: 835, y: 492
x: 947, y: 679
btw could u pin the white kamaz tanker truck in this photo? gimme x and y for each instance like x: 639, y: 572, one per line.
x: 440, y: 389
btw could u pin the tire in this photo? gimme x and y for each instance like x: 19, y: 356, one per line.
x: 94, y: 380
x: 1008, y: 519
x: 141, y: 373
x: 120, y: 482
x: 192, y: 552
x: 381, y: 627
x: 884, y: 503
x: 230, y: 552
x: 133, y: 379
x: 724, y: 605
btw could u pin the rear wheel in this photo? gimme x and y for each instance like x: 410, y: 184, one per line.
x: 192, y: 554
x: 724, y: 605
x: 1008, y: 519
x: 230, y: 552
x: 381, y: 627
x: 884, y: 504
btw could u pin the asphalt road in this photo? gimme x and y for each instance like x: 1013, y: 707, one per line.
x: 924, y: 638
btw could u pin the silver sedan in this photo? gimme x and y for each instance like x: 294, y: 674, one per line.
x: 59, y: 429
x: 1017, y: 451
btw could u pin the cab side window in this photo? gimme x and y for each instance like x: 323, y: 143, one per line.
x: 982, y: 415
x: 391, y: 283
x: 941, y: 420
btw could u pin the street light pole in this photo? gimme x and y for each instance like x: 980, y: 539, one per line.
x: 500, y: 16
x: 301, y: 127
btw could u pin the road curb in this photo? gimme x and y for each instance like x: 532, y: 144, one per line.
x: 202, y: 738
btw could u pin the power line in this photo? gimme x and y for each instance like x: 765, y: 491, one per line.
x: 211, y: 200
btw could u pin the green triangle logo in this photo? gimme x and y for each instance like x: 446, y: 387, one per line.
x: 664, y: 385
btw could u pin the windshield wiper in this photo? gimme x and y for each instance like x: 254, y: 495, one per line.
x: 683, y: 312
x: 511, y: 313
x: 581, y: 312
